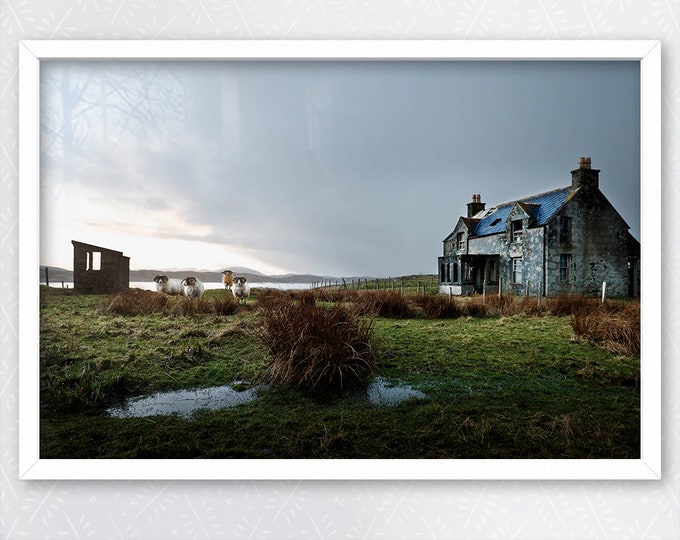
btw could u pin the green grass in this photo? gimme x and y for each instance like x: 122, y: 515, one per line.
x: 497, y: 387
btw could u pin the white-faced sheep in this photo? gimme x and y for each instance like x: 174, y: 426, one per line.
x: 193, y: 288
x: 168, y: 286
x: 241, y: 290
x: 228, y: 279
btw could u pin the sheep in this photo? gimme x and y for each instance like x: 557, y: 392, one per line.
x: 168, y: 286
x: 241, y: 290
x: 228, y: 279
x: 193, y: 288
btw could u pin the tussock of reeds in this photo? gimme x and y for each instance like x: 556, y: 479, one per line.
x: 391, y: 304
x: 440, y: 307
x: 314, y: 348
x: 141, y: 302
x: 614, y: 327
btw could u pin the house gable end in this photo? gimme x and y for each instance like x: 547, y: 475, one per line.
x: 465, y: 225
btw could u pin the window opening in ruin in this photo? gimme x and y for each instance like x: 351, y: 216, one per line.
x: 461, y: 240
x: 565, y: 229
x: 516, y: 228
x: 96, y: 260
x: 93, y: 260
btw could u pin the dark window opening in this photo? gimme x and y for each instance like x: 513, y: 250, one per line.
x: 460, y: 239
x: 516, y: 228
x: 565, y: 229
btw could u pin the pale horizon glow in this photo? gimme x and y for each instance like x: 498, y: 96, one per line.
x: 330, y: 168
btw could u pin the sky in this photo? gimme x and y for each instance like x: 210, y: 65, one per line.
x: 339, y: 168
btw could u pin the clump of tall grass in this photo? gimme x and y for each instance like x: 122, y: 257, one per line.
x: 391, y: 304
x: 137, y: 302
x: 439, y: 306
x: 141, y: 302
x: 612, y: 326
x: 572, y: 304
x: 314, y: 348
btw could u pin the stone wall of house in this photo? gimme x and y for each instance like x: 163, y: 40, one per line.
x: 599, y: 248
x: 530, y: 250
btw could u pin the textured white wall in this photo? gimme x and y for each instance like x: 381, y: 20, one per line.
x: 163, y: 510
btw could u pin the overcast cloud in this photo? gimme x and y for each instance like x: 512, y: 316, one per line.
x: 338, y: 168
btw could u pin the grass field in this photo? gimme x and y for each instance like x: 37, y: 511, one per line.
x: 498, y: 382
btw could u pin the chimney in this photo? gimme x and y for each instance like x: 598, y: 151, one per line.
x: 585, y: 177
x: 475, y: 206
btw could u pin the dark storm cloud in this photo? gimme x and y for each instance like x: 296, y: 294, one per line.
x: 364, y: 167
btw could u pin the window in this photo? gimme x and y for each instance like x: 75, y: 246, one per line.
x: 565, y: 268
x: 442, y: 273
x: 455, y: 272
x: 517, y: 270
x: 460, y: 240
x: 516, y: 228
x: 565, y: 229
x: 93, y: 260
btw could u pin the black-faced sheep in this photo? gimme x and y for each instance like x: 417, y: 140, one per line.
x: 168, y: 286
x: 228, y: 279
x: 193, y: 288
x: 241, y: 290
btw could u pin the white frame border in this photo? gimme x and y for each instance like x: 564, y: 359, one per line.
x: 31, y: 467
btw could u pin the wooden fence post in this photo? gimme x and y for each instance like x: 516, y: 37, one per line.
x: 604, y: 290
x: 47, y: 276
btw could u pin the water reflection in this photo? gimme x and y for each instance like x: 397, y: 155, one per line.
x: 382, y: 392
x: 184, y: 402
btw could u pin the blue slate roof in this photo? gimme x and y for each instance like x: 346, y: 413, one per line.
x: 540, y: 207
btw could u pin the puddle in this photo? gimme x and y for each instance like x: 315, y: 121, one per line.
x: 184, y: 402
x: 382, y: 392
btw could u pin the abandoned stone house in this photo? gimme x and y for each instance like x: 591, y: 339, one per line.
x: 99, y: 270
x: 570, y: 240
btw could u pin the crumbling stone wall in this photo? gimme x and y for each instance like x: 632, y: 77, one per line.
x: 599, y: 248
x: 99, y: 270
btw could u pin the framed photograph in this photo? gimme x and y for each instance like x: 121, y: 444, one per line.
x: 453, y: 222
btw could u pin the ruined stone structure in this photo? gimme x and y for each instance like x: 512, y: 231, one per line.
x: 99, y: 270
x: 569, y: 240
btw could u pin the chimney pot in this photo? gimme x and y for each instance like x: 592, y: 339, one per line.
x: 476, y: 205
x: 585, y: 176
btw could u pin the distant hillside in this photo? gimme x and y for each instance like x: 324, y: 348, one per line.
x: 207, y: 276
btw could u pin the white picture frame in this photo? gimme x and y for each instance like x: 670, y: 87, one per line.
x: 32, y: 467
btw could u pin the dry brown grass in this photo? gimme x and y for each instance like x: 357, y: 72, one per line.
x: 439, y: 306
x: 141, y: 302
x: 612, y: 326
x: 390, y: 304
x: 314, y: 348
